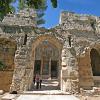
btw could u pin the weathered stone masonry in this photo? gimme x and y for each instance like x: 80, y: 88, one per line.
x: 74, y: 38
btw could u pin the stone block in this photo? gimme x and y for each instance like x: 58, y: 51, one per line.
x: 6, y: 77
x: 1, y: 92
x: 64, y: 73
x: 8, y: 96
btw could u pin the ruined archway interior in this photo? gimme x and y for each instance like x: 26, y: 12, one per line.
x: 46, y: 60
x: 46, y: 64
x: 95, y: 62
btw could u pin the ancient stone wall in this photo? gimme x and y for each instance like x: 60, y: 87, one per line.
x: 72, y: 21
x: 25, y: 17
x: 69, y: 76
x: 24, y: 62
x: 85, y: 71
x: 7, y: 53
x: 74, y: 33
x: 6, y: 79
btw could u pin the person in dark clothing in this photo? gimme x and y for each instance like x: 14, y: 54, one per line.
x: 34, y: 79
x: 40, y: 82
x: 37, y: 81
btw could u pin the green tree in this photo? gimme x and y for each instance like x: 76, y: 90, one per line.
x: 2, y: 65
x: 6, y: 7
x: 54, y: 3
x: 39, y: 5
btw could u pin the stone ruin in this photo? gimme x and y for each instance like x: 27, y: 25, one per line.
x: 72, y: 47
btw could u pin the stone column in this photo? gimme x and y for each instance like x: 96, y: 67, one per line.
x: 85, y: 70
x: 41, y: 69
x: 69, y: 71
x: 20, y: 70
x: 50, y: 68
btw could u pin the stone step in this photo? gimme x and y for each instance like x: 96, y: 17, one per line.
x: 8, y: 96
x: 47, y: 92
x: 47, y: 97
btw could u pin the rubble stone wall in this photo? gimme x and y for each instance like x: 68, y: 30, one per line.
x: 85, y: 71
x: 6, y: 80
x: 72, y: 36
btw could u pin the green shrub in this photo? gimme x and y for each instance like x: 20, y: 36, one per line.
x: 2, y: 65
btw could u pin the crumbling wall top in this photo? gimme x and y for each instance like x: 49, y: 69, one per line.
x: 25, y: 17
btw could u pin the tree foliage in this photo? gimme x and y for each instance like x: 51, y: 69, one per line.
x: 6, y: 6
x: 2, y: 65
x: 54, y: 3
x: 39, y: 5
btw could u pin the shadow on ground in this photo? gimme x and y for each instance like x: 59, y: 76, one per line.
x: 47, y: 85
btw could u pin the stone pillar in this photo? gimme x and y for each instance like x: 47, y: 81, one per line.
x: 64, y: 70
x: 41, y: 69
x: 18, y: 81
x: 85, y: 70
x: 69, y: 71
x: 73, y: 74
x: 50, y: 68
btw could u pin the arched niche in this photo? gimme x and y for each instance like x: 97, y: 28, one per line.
x: 95, y: 61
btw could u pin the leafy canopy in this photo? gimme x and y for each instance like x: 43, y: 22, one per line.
x: 6, y: 6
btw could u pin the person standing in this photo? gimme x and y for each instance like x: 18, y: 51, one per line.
x: 37, y: 81
x: 40, y: 82
x: 34, y: 79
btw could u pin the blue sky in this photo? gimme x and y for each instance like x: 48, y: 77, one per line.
x: 78, y: 6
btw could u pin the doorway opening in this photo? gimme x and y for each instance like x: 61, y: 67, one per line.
x: 95, y: 62
x: 54, y: 69
x: 46, y: 60
x: 37, y: 67
x: 46, y: 65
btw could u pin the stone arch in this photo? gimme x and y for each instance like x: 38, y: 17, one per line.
x: 7, y: 53
x: 94, y: 53
x: 24, y: 60
x: 57, y: 41
x: 86, y: 77
x: 95, y: 61
x: 84, y: 67
x: 52, y: 40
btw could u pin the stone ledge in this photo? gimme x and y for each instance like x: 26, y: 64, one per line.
x: 8, y: 96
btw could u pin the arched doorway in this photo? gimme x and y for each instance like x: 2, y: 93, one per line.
x: 95, y: 62
x: 46, y: 60
x: 46, y: 55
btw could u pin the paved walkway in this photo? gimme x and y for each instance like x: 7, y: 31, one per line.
x: 47, y: 85
x: 47, y: 97
x: 46, y: 92
x: 49, y: 91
